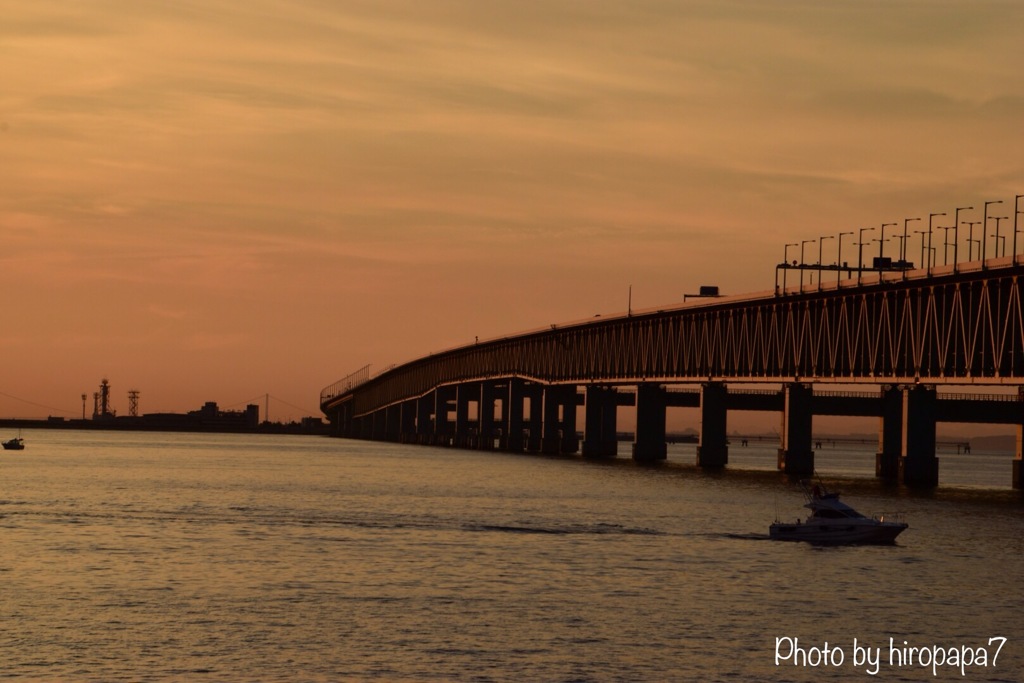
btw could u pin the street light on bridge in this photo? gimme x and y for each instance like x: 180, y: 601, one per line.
x: 922, y: 233
x: 785, y: 269
x: 970, y: 238
x: 930, y: 217
x: 882, y: 240
x: 860, y: 254
x: 984, y: 229
x: 820, y: 240
x: 903, y: 245
x: 946, y: 244
x: 802, y: 244
x: 1016, y: 212
x: 839, y: 257
x: 996, y: 235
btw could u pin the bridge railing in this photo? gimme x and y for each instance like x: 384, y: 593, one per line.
x: 345, y: 384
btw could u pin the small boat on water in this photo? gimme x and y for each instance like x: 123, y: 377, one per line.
x: 833, y: 522
x: 15, y: 444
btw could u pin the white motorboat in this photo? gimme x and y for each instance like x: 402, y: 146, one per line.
x: 833, y: 522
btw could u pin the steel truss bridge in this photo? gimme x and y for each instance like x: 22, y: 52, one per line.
x: 909, y: 330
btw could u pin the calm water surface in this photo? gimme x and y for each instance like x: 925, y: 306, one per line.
x: 205, y: 557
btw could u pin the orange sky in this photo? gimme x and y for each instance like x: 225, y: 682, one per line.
x: 217, y: 200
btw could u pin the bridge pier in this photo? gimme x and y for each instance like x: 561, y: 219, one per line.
x: 796, y: 456
x: 890, y: 435
x: 444, y: 405
x: 362, y: 426
x: 649, y: 443
x: 713, y: 449
x: 920, y: 466
x: 512, y: 438
x: 559, y: 430
x: 599, y: 437
x: 535, y: 393
x: 467, y: 429
x: 425, y: 418
x: 491, y: 395
x: 408, y: 411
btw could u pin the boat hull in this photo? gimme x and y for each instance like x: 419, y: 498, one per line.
x: 841, y: 532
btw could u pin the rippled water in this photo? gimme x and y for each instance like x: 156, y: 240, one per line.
x: 199, y: 557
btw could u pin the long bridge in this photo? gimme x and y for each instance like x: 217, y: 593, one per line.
x: 881, y: 343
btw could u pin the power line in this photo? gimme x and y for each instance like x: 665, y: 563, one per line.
x: 38, y: 405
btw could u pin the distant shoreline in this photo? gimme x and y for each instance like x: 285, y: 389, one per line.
x: 141, y: 424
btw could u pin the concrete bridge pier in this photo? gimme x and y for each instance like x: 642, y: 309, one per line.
x: 425, y: 418
x: 341, y: 424
x: 920, y: 466
x: 890, y: 435
x: 362, y: 426
x: 379, y: 430
x: 713, y: 449
x: 599, y: 437
x: 796, y: 456
x: 512, y: 438
x: 559, y: 435
x: 649, y: 444
x: 535, y: 394
x: 444, y: 406
x: 407, y: 433
x: 467, y: 429
x: 393, y: 422
x: 492, y: 394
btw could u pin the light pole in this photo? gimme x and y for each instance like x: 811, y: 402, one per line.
x: 946, y: 244
x: 1016, y: 212
x: 903, y: 245
x: 970, y: 238
x: 930, y: 217
x: 882, y: 239
x: 956, y: 235
x: 839, y: 257
x: 984, y: 229
x: 785, y: 262
x: 802, y: 244
x: 996, y: 235
x: 820, y: 240
x: 922, y: 233
x: 860, y: 254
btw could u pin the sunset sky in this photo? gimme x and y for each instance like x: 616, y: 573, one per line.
x: 214, y: 201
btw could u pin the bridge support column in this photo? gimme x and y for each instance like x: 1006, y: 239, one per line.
x: 796, y: 456
x: 444, y: 405
x: 362, y: 426
x: 407, y: 431
x: 599, y: 438
x: 425, y: 418
x: 649, y: 443
x: 559, y: 420
x: 512, y: 437
x: 890, y: 435
x: 535, y: 393
x: 920, y: 466
x: 490, y: 394
x: 380, y: 425
x: 713, y: 449
x: 467, y: 428
x: 341, y: 421
x: 393, y: 422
